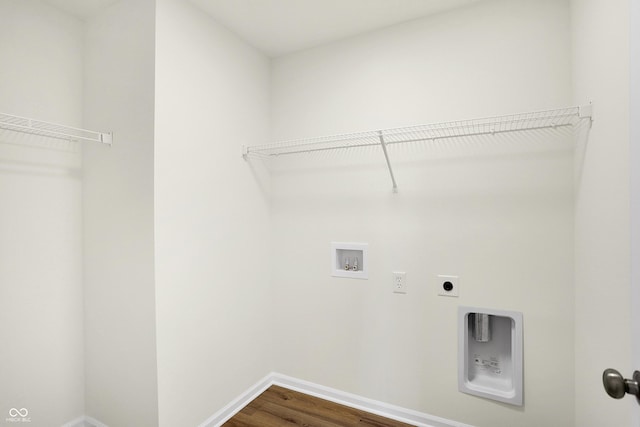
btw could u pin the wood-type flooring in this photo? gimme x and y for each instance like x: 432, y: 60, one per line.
x: 279, y: 406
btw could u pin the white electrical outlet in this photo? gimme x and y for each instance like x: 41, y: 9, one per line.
x: 399, y: 282
x: 448, y: 286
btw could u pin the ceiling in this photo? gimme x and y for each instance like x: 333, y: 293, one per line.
x: 278, y: 27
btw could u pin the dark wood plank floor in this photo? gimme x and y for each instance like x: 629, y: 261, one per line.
x: 279, y: 406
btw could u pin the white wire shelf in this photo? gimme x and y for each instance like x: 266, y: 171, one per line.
x: 548, y: 119
x: 569, y: 116
x: 52, y: 130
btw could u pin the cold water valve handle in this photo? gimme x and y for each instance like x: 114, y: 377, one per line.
x: 616, y: 386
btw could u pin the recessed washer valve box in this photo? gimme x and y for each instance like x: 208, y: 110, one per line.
x: 349, y: 260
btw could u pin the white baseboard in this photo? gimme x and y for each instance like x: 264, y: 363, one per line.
x: 92, y: 422
x: 393, y: 412
x: 386, y: 410
x: 78, y: 422
x: 84, y: 421
x: 238, y: 403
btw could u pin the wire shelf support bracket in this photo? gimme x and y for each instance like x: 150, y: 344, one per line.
x: 386, y: 157
x: 586, y: 112
x: 537, y: 120
x: 52, y: 130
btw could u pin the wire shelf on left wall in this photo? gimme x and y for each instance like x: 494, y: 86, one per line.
x: 52, y: 130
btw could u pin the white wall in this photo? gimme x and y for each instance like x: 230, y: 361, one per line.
x: 211, y: 216
x: 498, y: 212
x: 41, y: 366
x: 601, y: 74
x: 634, y: 141
x: 121, y: 385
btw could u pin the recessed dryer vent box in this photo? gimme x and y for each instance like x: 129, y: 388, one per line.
x: 349, y: 260
x: 490, y: 354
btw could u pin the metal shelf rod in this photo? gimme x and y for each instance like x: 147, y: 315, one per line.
x: 312, y: 150
x: 490, y: 132
x: 257, y: 151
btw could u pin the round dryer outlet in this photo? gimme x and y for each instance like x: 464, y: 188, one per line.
x: 448, y: 286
